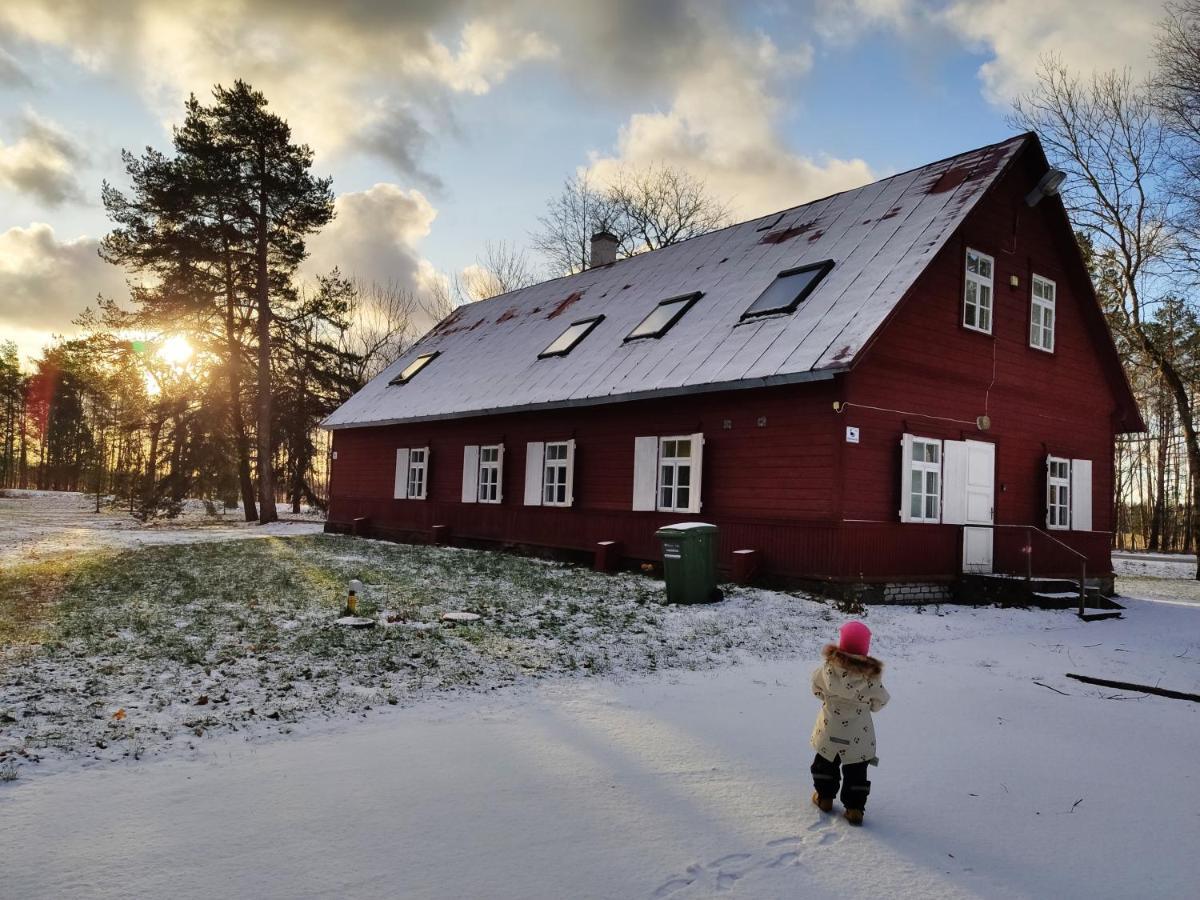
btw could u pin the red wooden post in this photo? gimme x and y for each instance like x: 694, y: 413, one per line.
x: 606, y: 556
x: 745, y: 565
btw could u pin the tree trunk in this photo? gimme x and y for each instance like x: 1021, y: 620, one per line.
x: 1183, y: 406
x: 236, y: 421
x: 266, y: 476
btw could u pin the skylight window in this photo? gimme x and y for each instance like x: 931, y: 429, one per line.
x: 414, y: 367
x: 576, y: 332
x: 663, y: 316
x: 788, y: 290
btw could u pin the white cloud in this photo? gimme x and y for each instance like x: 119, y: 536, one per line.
x: 45, y: 283
x: 843, y: 21
x: 336, y: 71
x: 375, y: 237
x: 1098, y: 34
x: 722, y: 126
x: 43, y: 162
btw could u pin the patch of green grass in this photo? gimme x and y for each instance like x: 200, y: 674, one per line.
x: 123, y: 652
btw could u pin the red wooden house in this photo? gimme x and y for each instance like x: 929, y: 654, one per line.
x: 890, y: 386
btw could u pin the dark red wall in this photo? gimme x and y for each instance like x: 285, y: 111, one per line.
x: 926, y: 364
x: 758, y: 480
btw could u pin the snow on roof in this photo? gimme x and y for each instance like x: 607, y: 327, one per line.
x: 880, y: 237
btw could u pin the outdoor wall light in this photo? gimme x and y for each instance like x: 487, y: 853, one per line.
x: 1047, y: 187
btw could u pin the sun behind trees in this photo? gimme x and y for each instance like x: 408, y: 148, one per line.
x: 213, y: 382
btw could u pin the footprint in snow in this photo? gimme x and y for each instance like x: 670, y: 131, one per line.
x: 731, y: 858
x: 725, y: 871
x: 675, y: 884
x: 789, y: 858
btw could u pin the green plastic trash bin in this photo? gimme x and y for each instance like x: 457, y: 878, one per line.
x: 690, y: 562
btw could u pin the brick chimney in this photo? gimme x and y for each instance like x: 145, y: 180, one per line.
x: 604, y: 249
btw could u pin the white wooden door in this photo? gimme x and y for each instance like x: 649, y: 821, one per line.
x: 979, y: 507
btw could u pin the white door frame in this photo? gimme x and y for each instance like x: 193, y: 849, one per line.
x: 970, y: 499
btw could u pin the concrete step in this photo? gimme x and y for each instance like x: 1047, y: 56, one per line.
x: 1046, y: 593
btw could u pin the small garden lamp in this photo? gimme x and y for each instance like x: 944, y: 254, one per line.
x: 356, y: 586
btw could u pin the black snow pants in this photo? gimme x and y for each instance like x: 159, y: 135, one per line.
x: 853, y: 778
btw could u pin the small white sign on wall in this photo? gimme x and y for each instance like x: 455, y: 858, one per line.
x: 335, y: 454
x: 851, y: 434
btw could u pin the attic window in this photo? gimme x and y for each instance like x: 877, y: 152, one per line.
x: 414, y: 367
x: 663, y: 317
x: 576, y: 332
x: 788, y: 290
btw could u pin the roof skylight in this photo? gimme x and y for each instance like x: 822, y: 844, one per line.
x: 414, y: 367
x: 663, y: 316
x: 576, y: 332
x: 788, y: 290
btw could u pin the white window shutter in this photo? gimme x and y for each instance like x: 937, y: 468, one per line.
x: 1046, y: 490
x: 906, y: 459
x: 470, y: 480
x: 401, y: 486
x: 500, y: 474
x: 571, y: 472
x: 535, y: 452
x: 645, y: 474
x: 1081, y: 494
x: 697, y: 472
x: 954, y: 482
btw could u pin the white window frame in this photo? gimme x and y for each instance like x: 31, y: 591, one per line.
x: 915, y: 460
x: 556, y: 473
x: 649, y: 459
x: 981, y: 284
x: 1041, y: 335
x: 670, y: 469
x: 1058, y: 493
x: 418, y: 469
x: 491, y: 473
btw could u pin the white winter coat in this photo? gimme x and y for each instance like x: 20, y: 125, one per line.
x: 851, y: 688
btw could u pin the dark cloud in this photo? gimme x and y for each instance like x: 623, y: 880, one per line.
x: 45, y: 283
x: 399, y: 137
x: 375, y: 236
x: 43, y: 161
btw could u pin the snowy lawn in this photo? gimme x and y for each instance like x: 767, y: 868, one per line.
x: 106, y: 656
x: 1157, y: 576
x: 47, y: 525
x: 684, y: 784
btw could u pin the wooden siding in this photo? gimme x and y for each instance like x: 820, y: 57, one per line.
x: 767, y: 486
x: 929, y: 367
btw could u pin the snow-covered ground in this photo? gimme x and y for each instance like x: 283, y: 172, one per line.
x: 681, y: 785
x: 46, y: 524
x: 1157, y: 576
x: 678, y: 768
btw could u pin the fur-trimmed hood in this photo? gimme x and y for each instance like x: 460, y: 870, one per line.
x: 852, y: 662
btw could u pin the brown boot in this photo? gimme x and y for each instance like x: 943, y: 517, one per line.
x: 854, y: 816
x: 825, y: 804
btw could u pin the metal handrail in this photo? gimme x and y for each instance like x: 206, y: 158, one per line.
x: 1029, y: 557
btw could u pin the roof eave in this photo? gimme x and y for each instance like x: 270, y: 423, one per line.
x: 825, y: 374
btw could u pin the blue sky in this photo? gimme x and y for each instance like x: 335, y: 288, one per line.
x: 449, y: 124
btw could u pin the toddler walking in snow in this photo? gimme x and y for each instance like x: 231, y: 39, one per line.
x: 850, y: 686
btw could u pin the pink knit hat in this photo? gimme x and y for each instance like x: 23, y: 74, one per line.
x: 855, y: 638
